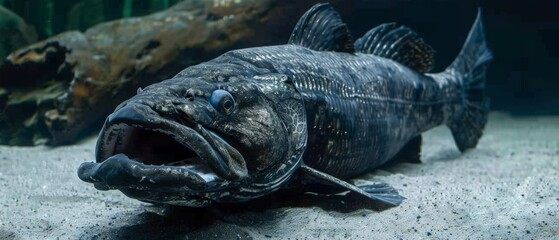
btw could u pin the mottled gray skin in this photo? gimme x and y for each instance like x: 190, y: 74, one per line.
x: 340, y: 113
x: 360, y: 109
x: 239, y: 126
x: 347, y: 113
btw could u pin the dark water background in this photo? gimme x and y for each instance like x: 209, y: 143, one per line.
x: 524, y: 36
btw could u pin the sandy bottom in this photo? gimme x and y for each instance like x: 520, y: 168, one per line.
x: 507, y: 188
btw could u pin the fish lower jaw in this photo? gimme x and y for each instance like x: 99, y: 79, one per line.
x: 151, y: 183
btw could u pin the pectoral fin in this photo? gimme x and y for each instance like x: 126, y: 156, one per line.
x: 378, y: 192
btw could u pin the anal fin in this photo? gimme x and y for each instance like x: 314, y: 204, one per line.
x: 411, y: 152
x: 380, y: 193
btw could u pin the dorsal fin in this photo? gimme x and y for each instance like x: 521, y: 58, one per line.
x: 400, y: 44
x: 322, y: 29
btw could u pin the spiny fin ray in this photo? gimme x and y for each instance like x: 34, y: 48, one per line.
x: 322, y: 29
x: 400, y: 44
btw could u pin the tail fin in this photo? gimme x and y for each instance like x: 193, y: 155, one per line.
x: 471, y: 64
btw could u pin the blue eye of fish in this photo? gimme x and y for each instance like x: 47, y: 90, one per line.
x: 223, y: 101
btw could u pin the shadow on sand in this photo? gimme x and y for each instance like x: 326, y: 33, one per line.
x: 236, y: 221
x: 228, y: 221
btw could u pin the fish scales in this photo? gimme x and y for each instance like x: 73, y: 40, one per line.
x: 308, y: 114
x: 361, y: 108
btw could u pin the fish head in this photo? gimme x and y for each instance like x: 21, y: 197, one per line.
x: 196, y: 141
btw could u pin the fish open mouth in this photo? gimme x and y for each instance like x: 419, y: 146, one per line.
x: 153, y: 148
x: 139, y: 149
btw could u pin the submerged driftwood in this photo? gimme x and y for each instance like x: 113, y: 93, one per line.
x: 55, y: 90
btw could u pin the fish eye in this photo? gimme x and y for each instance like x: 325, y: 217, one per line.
x: 223, y: 101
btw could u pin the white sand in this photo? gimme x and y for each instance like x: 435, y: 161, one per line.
x: 507, y: 188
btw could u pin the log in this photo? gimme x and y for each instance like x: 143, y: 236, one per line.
x: 61, y: 88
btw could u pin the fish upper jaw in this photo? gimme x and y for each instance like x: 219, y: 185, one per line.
x: 138, y: 149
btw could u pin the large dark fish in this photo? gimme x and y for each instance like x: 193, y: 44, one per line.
x: 321, y: 108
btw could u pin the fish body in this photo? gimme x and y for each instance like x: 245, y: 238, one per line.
x: 240, y: 126
x: 360, y: 109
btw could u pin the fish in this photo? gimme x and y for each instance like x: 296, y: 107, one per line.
x: 310, y: 114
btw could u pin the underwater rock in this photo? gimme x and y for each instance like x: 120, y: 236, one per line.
x: 14, y: 33
x: 60, y: 88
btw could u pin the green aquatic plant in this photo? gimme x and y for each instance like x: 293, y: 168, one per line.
x: 51, y: 17
x: 127, y: 9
